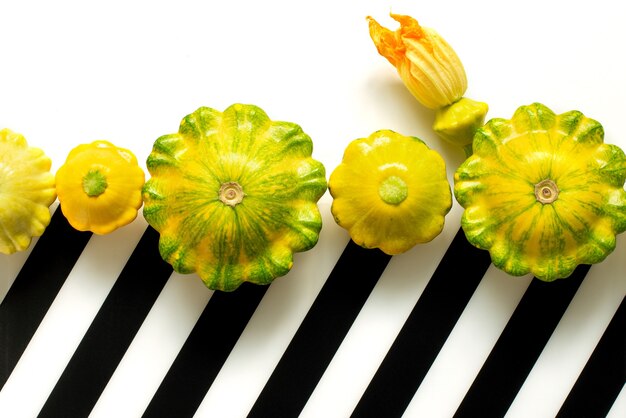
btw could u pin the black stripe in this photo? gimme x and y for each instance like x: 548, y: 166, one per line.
x: 321, y: 333
x: 111, y: 332
x: 519, y: 346
x: 425, y: 331
x: 205, y: 351
x: 604, y: 375
x: 35, y: 287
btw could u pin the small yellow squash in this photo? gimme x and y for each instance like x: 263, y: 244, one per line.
x: 543, y: 192
x: 390, y: 192
x: 99, y: 187
x: 26, y: 192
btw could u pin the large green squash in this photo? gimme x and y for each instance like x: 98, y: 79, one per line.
x: 233, y: 195
x: 543, y: 192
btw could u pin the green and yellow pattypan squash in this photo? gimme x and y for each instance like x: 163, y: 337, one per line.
x: 390, y: 192
x: 233, y: 195
x: 542, y: 192
x: 26, y: 192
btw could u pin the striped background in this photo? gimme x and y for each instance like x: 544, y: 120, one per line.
x: 99, y: 326
x: 468, y: 341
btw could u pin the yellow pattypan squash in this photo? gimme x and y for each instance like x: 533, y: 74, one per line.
x: 99, y: 187
x: 543, y: 192
x: 390, y: 192
x: 26, y: 192
x: 233, y: 195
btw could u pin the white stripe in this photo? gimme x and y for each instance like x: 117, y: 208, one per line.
x: 376, y: 328
x: 10, y: 265
x: 66, y: 322
x: 618, y: 410
x: 272, y: 327
x: 154, y: 348
x: 574, y: 339
x: 469, y: 345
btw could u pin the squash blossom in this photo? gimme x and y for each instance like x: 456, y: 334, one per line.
x: 26, y: 192
x: 99, y: 187
x: 543, y: 192
x: 390, y: 192
x: 434, y: 74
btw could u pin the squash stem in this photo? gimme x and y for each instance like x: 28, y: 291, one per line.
x: 231, y: 193
x: 94, y: 183
x: 546, y: 191
x: 393, y: 190
x: 457, y: 123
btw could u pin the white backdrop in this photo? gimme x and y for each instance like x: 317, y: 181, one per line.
x: 128, y: 71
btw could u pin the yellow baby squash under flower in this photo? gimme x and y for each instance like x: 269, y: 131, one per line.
x: 26, y: 192
x: 543, y: 192
x: 390, y: 192
x: 233, y: 195
x: 99, y: 187
x: 434, y: 74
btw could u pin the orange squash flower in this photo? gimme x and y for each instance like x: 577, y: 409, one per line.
x: 434, y: 74
x: 427, y: 64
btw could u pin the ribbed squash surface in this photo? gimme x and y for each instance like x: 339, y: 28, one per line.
x: 390, y: 192
x: 26, y: 192
x: 233, y: 195
x: 543, y: 192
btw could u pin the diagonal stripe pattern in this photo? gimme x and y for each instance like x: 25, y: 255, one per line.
x: 203, y: 355
x: 289, y: 387
x: 111, y: 332
x: 425, y: 331
x: 322, y: 331
x: 519, y: 346
x: 37, y: 284
x: 604, y: 376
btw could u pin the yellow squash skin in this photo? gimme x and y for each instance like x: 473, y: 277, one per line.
x: 543, y: 192
x: 390, y: 192
x: 99, y: 187
x: 26, y: 192
x: 233, y: 195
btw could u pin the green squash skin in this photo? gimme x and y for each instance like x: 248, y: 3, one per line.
x: 589, y: 212
x: 255, y: 239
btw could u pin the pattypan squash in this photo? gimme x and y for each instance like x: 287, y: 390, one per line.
x: 99, y: 187
x: 390, y: 192
x: 26, y: 192
x: 543, y: 192
x: 233, y: 195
